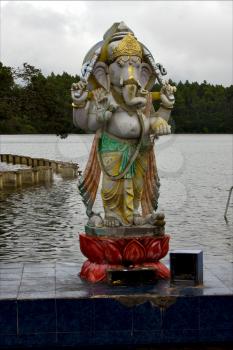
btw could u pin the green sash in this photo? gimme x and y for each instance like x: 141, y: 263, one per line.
x: 111, y: 144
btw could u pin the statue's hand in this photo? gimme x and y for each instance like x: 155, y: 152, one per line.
x: 160, y: 126
x: 79, y: 92
x: 104, y: 104
x: 167, y: 95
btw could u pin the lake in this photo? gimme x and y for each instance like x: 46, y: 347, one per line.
x: 42, y: 222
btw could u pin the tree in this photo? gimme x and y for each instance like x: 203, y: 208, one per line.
x: 33, y: 103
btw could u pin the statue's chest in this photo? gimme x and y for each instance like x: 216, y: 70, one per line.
x: 126, y: 126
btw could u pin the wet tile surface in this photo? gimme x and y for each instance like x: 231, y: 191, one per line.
x: 147, y: 317
x: 36, y: 316
x: 74, y: 339
x: 182, y: 314
x: 212, y: 315
x: 61, y: 279
x: 180, y: 336
x: 48, y: 304
x: 104, y: 320
x: 75, y: 315
x: 8, y: 317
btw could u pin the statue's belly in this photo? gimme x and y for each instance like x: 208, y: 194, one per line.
x: 126, y: 126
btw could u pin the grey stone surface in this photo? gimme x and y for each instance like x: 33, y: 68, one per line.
x: 124, y: 231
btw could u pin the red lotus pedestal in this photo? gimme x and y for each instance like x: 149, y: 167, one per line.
x: 105, y: 253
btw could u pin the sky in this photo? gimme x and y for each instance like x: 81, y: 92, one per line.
x: 192, y: 39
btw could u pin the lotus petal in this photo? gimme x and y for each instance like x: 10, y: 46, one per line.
x: 164, y: 246
x: 96, y: 272
x: 134, y: 252
x: 153, y: 251
x: 112, y: 252
x: 92, y: 248
x: 161, y: 270
x: 146, y: 241
x: 84, y: 270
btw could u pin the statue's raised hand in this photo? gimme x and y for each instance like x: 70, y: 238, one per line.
x: 105, y: 105
x: 79, y: 92
x: 167, y: 95
x: 160, y: 126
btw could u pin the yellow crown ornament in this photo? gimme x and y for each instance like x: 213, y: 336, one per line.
x: 128, y: 46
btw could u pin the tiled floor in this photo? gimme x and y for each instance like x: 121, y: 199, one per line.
x: 47, y: 304
x: 60, y: 280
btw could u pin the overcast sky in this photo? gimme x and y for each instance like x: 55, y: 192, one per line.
x: 192, y: 39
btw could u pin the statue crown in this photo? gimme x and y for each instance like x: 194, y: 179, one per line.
x: 128, y: 46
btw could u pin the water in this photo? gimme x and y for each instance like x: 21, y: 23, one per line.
x: 42, y: 223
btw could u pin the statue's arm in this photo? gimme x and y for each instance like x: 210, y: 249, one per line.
x: 158, y: 122
x: 91, y: 110
x: 85, y: 118
x: 84, y: 109
x: 80, y: 105
x: 80, y: 117
x: 93, y: 122
x: 159, y: 119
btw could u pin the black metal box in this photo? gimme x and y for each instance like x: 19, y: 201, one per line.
x: 131, y: 276
x: 186, y: 266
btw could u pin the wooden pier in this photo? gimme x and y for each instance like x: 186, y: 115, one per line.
x: 39, y: 170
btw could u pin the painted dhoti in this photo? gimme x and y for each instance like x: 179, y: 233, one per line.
x: 140, y: 185
x: 122, y: 197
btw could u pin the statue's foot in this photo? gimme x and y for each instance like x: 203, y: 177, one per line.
x: 138, y: 220
x: 156, y: 219
x: 95, y: 221
x: 111, y: 221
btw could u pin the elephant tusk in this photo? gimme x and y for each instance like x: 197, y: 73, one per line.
x: 139, y: 84
x: 121, y: 81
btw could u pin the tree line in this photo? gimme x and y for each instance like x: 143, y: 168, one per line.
x: 32, y: 103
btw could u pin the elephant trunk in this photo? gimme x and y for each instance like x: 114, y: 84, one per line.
x: 129, y: 92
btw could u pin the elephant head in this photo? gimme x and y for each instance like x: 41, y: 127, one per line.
x: 126, y: 73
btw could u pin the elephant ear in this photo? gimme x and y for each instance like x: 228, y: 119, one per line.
x: 100, y: 73
x: 147, y: 78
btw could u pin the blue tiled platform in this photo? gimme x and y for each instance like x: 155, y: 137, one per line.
x: 46, y: 304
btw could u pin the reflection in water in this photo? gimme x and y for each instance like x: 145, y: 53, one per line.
x: 43, y: 222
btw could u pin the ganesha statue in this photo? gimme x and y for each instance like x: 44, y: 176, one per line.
x: 114, y: 101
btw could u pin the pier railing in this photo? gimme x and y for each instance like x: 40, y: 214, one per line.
x: 228, y: 203
x: 38, y: 170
